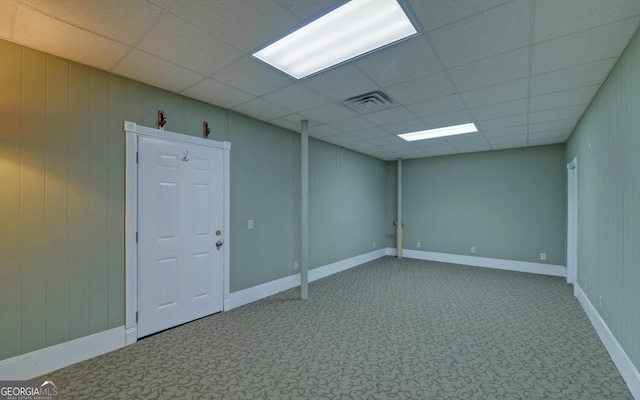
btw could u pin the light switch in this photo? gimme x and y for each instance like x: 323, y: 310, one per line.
x: 250, y: 224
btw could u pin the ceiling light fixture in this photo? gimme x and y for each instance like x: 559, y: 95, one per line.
x: 356, y: 28
x: 439, y: 132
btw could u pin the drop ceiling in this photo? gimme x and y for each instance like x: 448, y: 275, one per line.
x: 523, y: 71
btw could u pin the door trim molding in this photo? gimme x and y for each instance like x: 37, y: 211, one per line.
x: 132, y: 132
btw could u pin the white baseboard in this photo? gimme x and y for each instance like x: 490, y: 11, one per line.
x: 40, y: 362
x: 249, y: 295
x: 628, y: 371
x: 520, y: 266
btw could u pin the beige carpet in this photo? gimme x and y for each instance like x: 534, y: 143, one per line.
x: 389, y: 329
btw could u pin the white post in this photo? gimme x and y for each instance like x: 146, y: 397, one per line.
x: 399, y: 212
x: 304, y: 209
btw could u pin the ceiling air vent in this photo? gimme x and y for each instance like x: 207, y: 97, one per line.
x: 369, y: 102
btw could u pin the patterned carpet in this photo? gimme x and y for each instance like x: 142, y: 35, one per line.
x: 389, y: 329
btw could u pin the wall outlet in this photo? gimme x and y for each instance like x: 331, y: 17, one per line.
x: 600, y: 303
x: 473, y: 249
x: 374, y: 245
x: 543, y: 256
x: 418, y: 244
x: 250, y: 224
x: 295, y: 265
x: 585, y: 283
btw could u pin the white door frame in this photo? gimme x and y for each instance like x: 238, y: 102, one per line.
x: 132, y: 132
x: 572, y: 221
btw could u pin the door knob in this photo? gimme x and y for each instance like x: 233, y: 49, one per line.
x: 218, y: 244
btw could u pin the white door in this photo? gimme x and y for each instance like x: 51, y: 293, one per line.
x: 180, y: 222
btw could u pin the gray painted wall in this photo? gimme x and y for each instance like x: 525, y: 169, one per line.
x: 607, y: 144
x: 62, y: 197
x: 509, y: 204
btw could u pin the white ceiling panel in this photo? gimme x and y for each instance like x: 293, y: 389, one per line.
x: 492, y: 71
x: 352, y: 124
x: 214, y: 92
x: 296, y: 97
x: 386, y: 67
x: 469, y: 40
x: 328, y: 113
x: 251, y: 76
x: 421, y: 89
x: 572, y: 97
x: 583, y: 47
x: 341, y: 83
x: 571, y: 78
x: 522, y: 70
x: 499, y: 123
x: 247, y: 25
x: 7, y: 18
x: 147, y: 68
x: 171, y: 40
x: 443, y: 105
x: 35, y: 30
x: 261, y: 109
x: 436, y: 13
x: 390, y: 116
x: 111, y: 19
x: 499, y: 93
x: 501, y: 110
x: 558, y: 18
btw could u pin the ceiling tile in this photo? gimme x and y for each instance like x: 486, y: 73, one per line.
x: 510, y: 131
x: 172, y: 38
x: 341, y: 83
x: 41, y: 32
x: 421, y: 89
x: 560, y: 124
x: 328, y: 113
x: 251, y: 76
x: 261, y: 109
x: 499, y: 69
x: 391, y: 116
x: 309, y: 10
x: 214, y: 92
x: 296, y: 97
x: 558, y: 18
x: 557, y: 114
x: 370, y: 133
x: 501, y: 110
x: 340, y: 139
x: 572, y: 97
x: 406, y: 126
x: 351, y: 124
x: 323, y: 131
x: 247, y: 25
x: 581, y: 48
x: 7, y: 16
x: 498, y: 123
x: 571, y: 78
x: 436, y: 13
x: 443, y: 105
x: 111, y: 18
x: 484, y: 35
x: 386, y: 140
x: 149, y: 69
x: 498, y: 93
x: 454, y: 118
x: 389, y: 65
x: 507, y: 142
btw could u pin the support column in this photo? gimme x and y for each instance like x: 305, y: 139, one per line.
x: 399, y: 211
x: 304, y: 209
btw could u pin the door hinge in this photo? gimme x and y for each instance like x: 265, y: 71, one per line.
x: 136, y: 237
x: 136, y: 316
x: 137, y: 157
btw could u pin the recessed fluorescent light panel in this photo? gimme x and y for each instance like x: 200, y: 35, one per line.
x: 440, y: 132
x: 356, y: 28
